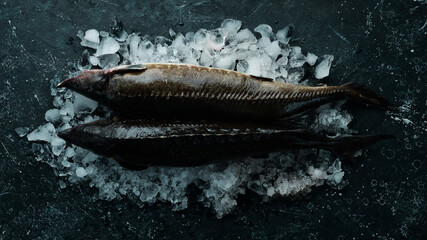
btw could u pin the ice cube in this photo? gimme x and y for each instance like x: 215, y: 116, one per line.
x: 42, y: 133
x: 253, y: 48
x: 62, y: 184
x: 122, y: 37
x: 205, y: 59
x: 88, y: 119
x: 161, y: 49
x: 196, y: 54
x: 322, y: 69
x: 108, y: 45
x: 58, y: 146
x: 52, y: 115
x: 145, y: 51
x: 68, y: 94
x: 243, y: 46
x: 336, y: 177
x: 89, y: 158
x: 332, y: 120
x: 311, y: 58
x: 58, y: 101
x: 245, y: 35
x: 284, y: 35
x: 260, y: 66
x: 265, y: 30
x: 107, y: 61
x: 282, y: 61
x: 263, y: 42
x: 256, y: 187
x: 189, y: 37
x: 172, y: 33
x: 80, y: 34
x: 317, y: 174
x: 283, y: 72
x: 215, y: 39
x: 84, y: 104
x: 162, y: 40
x: 231, y: 26
x: 179, y: 49
x: 91, y: 39
x: 273, y: 50
x: 225, y: 61
x: 295, y: 75
x: 22, y: 131
x: 94, y: 60
x: 199, y: 39
x: 64, y: 127
x: 242, y: 66
x: 270, y: 191
x: 104, y: 34
x: 67, y: 109
x: 134, y: 41
x: 80, y: 172
x: 297, y: 59
x: 83, y: 63
x: 124, y: 51
x: 295, y: 50
x: 149, y: 192
x: 254, y: 66
x: 190, y: 60
x: 117, y: 31
x: 69, y: 152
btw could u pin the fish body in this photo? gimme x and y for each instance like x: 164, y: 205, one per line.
x: 140, y: 143
x: 180, y: 91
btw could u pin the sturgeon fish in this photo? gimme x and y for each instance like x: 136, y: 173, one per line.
x: 179, y: 91
x: 136, y: 144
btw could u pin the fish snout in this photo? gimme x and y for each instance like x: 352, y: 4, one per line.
x: 88, y: 82
x: 67, y: 83
x: 65, y: 134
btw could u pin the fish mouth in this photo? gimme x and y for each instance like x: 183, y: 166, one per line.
x: 66, y: 83
x: 60, y: 85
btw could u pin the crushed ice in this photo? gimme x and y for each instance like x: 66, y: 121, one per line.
x: 282, y: 174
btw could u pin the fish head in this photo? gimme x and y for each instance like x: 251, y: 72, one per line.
x: 90, y: 83
x: 88, y: 137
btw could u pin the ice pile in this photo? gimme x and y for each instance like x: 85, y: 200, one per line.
x: 332, y: 120
x: 229, y: 47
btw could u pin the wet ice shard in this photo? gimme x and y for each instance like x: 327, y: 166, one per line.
x: 322, y: 69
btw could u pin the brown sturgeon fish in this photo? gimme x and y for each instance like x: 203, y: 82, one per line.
x: 179, y: 91
x: 140, y: 143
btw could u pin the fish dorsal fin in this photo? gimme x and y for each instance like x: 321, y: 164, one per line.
x: 264, y: 79
x: 127, y: 69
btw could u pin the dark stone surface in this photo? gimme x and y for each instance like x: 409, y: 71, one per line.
x: 382, y: 44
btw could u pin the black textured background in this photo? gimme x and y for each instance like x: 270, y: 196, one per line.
x: 379, y: 43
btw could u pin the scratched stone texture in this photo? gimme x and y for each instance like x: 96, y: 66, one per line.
x: 379, y: 43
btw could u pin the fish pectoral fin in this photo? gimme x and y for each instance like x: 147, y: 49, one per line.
x: 264, y: 79
x: 127, y: 69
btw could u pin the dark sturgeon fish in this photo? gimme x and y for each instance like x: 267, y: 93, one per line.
x: 193, y: 92
x: 140, y: 143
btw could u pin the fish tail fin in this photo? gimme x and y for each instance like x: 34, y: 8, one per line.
x: 361, y: 94
x: 347, y: 147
